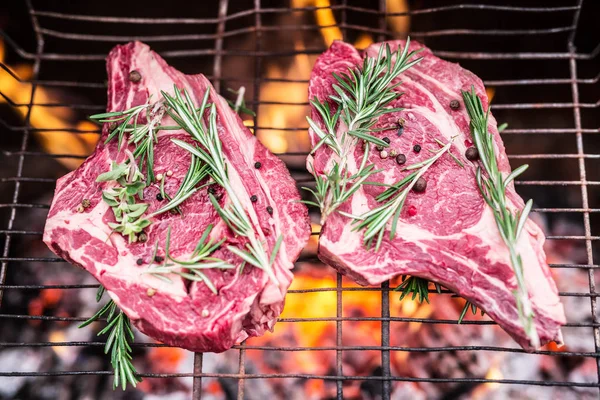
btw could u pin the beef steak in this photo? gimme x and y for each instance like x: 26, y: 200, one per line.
x: 447, y: 234
x: 181, y: 313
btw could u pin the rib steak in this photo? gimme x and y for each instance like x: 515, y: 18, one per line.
x: 181, y: 313
x: 446, y: 234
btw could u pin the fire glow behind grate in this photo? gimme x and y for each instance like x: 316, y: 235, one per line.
x: 334, y: 339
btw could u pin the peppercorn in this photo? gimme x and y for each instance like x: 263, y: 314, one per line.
x: 159, y: 197
x: 383, y: 154
x: 159, y: 259
x: 134, y: 76
x: 211, y: 190
x: 85, y: 203
x: 112, y: 126
x: 393, y: 153
x: 400, y: 159
x: 420, y: 185
x: 454, y: 104
x: 400, y: 124
x: 139, y: 261
x: 270, y: 210
x: 143, y: 238
x: 386, y: 139
x: 253, y: 198
x: 257, y: 165
x: 472, y: 154
x: 417, y: 148
x: 379, y: 148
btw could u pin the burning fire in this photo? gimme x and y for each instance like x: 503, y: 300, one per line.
x: 58, y: 140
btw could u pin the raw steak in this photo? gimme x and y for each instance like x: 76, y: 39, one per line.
x: 181, y: 313
x: 446, y: 234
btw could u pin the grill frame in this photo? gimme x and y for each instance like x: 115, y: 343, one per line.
x: 570, y: 54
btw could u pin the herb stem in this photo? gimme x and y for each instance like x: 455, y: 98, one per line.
x: 493, y: 189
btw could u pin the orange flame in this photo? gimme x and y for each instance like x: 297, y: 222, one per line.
x: 399, y: 24
x: 59, y: 119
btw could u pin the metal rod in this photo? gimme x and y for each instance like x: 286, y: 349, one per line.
x: 219, y: 45
x: 584, y: 191
x: 24, y: 143
x: 130, y: 20
x: 339, y: 342
x: 241, y: 372
x: 547, y: 383
x: 197, y: 382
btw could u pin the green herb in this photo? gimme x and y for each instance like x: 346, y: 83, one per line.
x: 473, y: 308
x: 362, y: 96
x: 493, y: 189
x: 122, y: 199
x: 192, y: 269
x: 240, y: 104
x: 418, y: 287
x: 183, y: 112
x: 142, y: 136
x: 120, y: 335
x: 195, y: 174
x: 375, y: 221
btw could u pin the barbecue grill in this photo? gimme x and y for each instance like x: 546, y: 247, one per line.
x: 540, y: 62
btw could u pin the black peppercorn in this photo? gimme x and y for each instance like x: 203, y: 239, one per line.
x: 386, y: 139
x: 472, y: 154
x: 85, y: 203
x: 143, y: 238
x: 270, y: 210
x: 379, y: 148
x: 454, y: 104
x: 159, y: 259
x: 112, y: 126
x: 139, y: 261
x: 159, y: 197
x: 257, y: 165
x: 420, y: 185
x: 253, y: 198
x: 134, y: 76
x: 400, y: 159
x: 417, y: 148
x: 211, y: 190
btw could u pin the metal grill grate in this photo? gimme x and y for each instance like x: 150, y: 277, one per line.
x: 573, y: 73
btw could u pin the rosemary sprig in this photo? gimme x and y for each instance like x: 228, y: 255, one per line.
x: 192, y: 269
x: 142, y: 136
x: 183, y: 112
x: 122, y: 199
x: 418, y: 287
x: 195, y: 174
x: 120, y: 335
x: 239, y: 106
x: 375, y: 221
x: 493, y: 186
x: 473, y: 308
x: 362, y: 96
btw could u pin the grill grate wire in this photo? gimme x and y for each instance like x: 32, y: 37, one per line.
x: 258, y: 54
